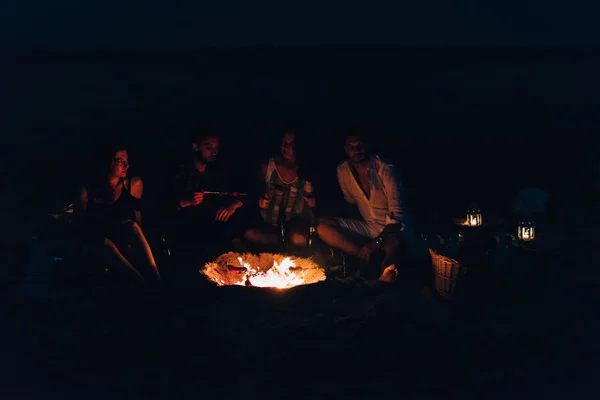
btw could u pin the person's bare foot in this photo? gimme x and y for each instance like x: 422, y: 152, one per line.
x: 389, y: 274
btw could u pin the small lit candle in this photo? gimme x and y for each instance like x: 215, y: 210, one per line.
x: 526, y: 231
x: 474, y: 217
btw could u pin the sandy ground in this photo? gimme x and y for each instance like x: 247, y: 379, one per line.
x: 335, y: 339
x: 332, y: 339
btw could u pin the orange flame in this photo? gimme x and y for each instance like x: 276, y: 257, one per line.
x: 265, y: 270
x: 279, y: 276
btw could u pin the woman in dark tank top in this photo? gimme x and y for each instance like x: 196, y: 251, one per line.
x: 104, y: 212
x: 111, y: 209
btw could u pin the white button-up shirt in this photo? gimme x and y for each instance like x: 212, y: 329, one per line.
x: 385, y: 204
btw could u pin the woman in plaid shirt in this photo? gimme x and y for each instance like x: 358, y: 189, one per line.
x: 288, y: 198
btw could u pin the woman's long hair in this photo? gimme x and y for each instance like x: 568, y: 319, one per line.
x: 100, y: 168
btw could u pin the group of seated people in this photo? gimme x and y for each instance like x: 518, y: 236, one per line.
x: 204, y: 212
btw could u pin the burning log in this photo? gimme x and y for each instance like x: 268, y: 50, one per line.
x: 296, y: 269
x: 237, y: 270
x: 263, y: 270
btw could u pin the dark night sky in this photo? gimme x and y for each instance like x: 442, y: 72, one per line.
x: 56, y: 108
x: 137, y: 24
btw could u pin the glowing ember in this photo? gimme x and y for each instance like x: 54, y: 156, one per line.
x: 263, y: 270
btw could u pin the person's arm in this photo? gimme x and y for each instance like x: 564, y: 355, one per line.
x: 226, y: 182
x: 137, y: 190
x: 309, y: 211
x: 180, y: 197
x: 392, y: 184
x: 309, y: 195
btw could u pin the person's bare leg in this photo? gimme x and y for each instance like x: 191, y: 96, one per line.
x: 390, y: 251
x: 388, y: 265
x: 298, y: 239
x: 332, y: 236
x: 261, y: 238
x: 389, y: 274
x: 114, y: 255
x: 146, y: 250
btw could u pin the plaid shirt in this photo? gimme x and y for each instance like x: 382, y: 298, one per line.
x: 287, y: 198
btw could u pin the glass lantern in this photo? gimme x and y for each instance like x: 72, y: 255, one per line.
x: 473, y: 217
x: 526, y: 231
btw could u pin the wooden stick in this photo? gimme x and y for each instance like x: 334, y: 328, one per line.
x: 235, y: 194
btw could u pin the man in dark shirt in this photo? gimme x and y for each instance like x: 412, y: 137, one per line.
x: 205, y: 205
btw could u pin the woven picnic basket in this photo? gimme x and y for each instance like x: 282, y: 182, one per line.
x: 448, y: 273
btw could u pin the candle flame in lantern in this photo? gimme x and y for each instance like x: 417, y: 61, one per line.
x: 526, y: 233
x: 472, y: 220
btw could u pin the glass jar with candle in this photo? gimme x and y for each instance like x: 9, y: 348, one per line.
x: 473, y: 216
x: 526, y: 230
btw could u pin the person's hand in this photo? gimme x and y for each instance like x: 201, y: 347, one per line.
x: 367, y: 250
x: 263, y: 202
x: 311, y: 201
x: 225, y: 213
x: 196, y: 199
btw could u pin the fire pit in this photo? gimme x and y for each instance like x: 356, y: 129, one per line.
x: 263, y: 270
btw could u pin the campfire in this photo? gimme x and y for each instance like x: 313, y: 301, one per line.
x: 263, y: 270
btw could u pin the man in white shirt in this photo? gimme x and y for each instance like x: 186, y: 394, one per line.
x: 373, y: 185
